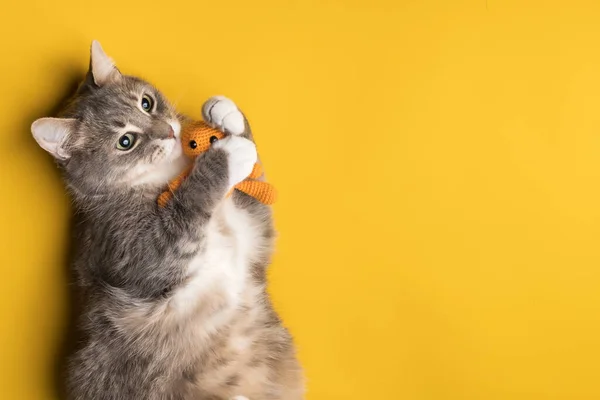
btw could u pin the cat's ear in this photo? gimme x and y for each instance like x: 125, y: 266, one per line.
x: 102, y: 67
x: 52, y: 133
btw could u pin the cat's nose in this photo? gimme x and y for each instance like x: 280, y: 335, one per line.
x: 171, y: 132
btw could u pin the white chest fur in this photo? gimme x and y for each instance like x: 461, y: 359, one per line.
x: 221, y: 269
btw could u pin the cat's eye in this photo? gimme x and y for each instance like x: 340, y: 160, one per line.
x: 147, y: 103
x: 126, y: 141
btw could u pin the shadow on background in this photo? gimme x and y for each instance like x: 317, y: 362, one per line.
x: 72, y: 75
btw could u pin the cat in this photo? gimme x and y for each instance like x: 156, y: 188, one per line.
x: 174, y: 299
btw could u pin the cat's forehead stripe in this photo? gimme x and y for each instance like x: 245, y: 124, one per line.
x: 131, y: 128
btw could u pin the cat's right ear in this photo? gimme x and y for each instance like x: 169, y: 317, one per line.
x: 102, y: 67
x: 52, y: 134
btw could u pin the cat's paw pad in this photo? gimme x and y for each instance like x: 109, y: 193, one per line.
x: 242, y: 157
x: 222, y: 113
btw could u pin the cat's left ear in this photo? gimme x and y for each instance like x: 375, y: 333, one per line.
x: 102, y: 67
x: 52, y: 134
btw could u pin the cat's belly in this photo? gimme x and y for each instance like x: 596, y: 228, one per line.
x: 237, y: 346
x: 218, y: 275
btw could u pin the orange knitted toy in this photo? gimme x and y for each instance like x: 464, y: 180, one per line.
x: 196, y: 138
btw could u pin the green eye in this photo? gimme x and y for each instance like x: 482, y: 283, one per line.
x: 126, y: 141
x: 147, y: 103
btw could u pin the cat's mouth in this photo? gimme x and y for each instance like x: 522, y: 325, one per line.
x: 177, y: 150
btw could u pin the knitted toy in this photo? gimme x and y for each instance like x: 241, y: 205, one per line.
x: 196, y: 138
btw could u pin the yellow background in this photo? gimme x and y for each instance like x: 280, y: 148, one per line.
x: 438, y: 164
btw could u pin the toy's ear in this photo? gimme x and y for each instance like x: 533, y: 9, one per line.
x: 102, y: 67
x: 52, y: 133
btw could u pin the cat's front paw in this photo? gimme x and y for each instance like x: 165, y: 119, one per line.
x: 241, y: 157
x: 222, y: 113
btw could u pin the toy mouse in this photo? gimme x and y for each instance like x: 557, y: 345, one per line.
x: 196, y: 138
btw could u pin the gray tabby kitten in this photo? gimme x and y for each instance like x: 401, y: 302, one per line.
x: 174, y: 298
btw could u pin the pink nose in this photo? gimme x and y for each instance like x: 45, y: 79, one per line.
x: 171, y: 133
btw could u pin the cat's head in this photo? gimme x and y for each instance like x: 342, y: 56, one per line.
x: 117, y: 132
